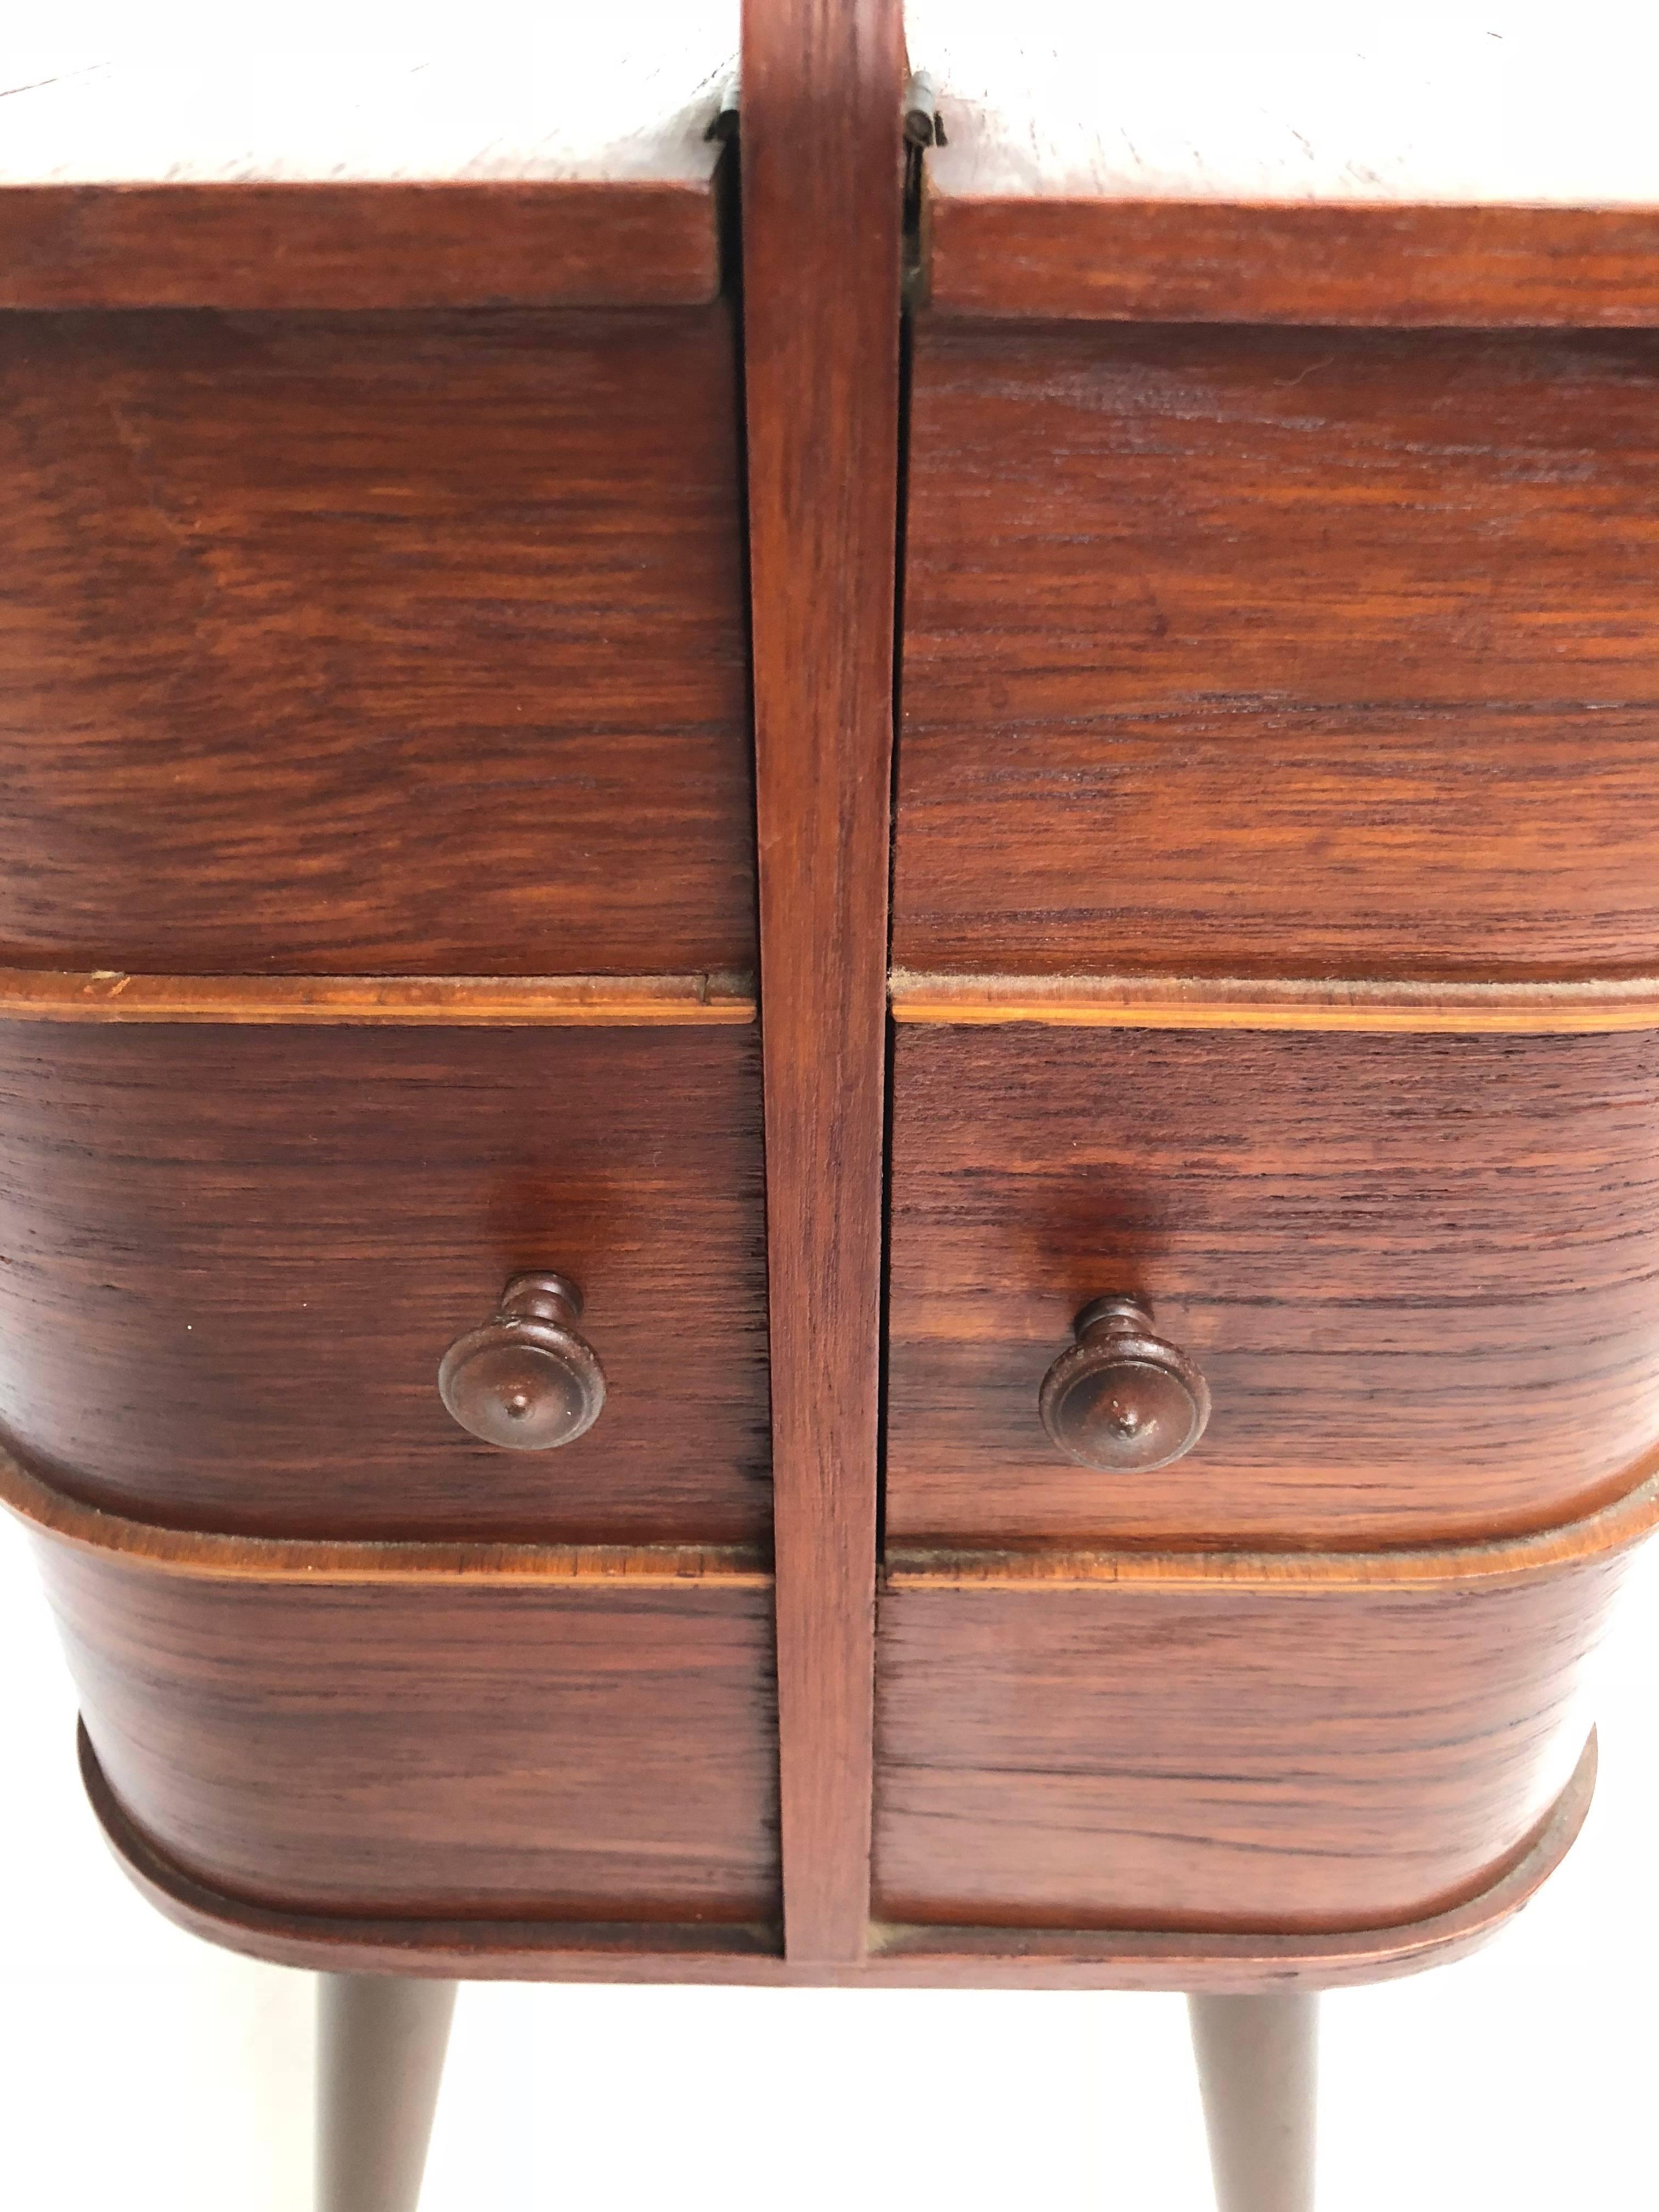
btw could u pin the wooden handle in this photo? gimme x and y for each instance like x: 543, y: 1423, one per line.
x: 525, y: 1380
x: 1120, y: 1399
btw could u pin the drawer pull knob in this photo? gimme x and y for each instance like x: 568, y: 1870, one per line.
x: 1120, y: 1399
x: 525, y: 1380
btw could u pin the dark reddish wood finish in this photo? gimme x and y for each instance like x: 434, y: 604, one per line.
x: 1120, y: 1397
x: 461, y: 1751
x: 821, y: 159
x: 899, y: 1957
x: 1298, y: 1760
x: 384, y: 644
x: 1415, y: 1270
x: 232, y: 1259
x: 409, y: 642
x: 525, y: 1379
x: 352, y: 245
x: 1303, y: 653
x: 1196, y: 261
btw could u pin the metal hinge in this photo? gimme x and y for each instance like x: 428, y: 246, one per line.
x: 923, y: 124
x: 723, y: 123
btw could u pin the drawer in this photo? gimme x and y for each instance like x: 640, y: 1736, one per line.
x: 1419, y: 1273
x: 233, y: 1257
x: 1304, y: 651
x: 380, y: 643
x: 1211, y: 1754
x: 444, y: 1746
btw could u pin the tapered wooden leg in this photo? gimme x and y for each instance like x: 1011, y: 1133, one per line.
x: 380, y: 2043
x: 1257, y: 2062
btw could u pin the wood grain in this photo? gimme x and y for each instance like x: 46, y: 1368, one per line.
x: 1589, y: 1006
x: 400, y: 644
x: 452, y: 1749
x: 1417, y: 1272
x: 1221, y: 1759
x: 231, y: 1259
x: 1311, y: 653
x: 1435, y: 172
x: 278, y: 247
x: 561, y: 161
x: 205, y: 1554
x: 1609, y: 1530
x: 45, y: 994
x: 384, y: 676
x: 821, y: 223
x: 1312, y: 265
x: 900, y: 1957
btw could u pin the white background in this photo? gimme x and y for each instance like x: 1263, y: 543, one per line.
x: 145, y: 2070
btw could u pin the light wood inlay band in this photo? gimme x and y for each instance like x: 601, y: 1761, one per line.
x: 216, y: 1558
x: 31, y: 994
x: 1229, y: 1002
x: 1602, y: 1534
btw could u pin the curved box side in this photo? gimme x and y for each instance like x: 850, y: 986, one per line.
x: 1208, y: 1755
x: 1134, y: 1770
x: 451, y: 1747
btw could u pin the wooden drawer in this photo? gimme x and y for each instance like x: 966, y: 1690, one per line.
x: 1418, y: 1273
x: 1225, y: 1751
x: 446, y: 1747
x: 233, y: 1257
x: 1303, y: 652
x: 381, y: 643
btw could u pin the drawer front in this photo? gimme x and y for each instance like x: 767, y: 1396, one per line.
x: 1420, y: 1275
x: 453, y: 1750
x: 1219, y: 1757
x: 235, y: 1256
x: 385, y: 643
x: 1273, y: 651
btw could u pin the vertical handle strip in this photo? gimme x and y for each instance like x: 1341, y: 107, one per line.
x: 822, y: 164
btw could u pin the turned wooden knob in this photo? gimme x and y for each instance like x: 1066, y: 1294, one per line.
x: 525, y: 1380
x: 1120, y: 1399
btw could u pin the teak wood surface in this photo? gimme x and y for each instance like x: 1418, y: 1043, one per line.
x: 821, y: 161
x: 388, y: 878
x: 898, y: 1957
x: 569, y: 166
x: 441, y: 1749
x: 1269, y: 653
x: 1321, y: 266
x: 406, y: 644
x: 1435, y: 174
x: 276, y: 248
x: 1346, y: 1233
x: 314, y: 1563
x: 1213, y: 1758
x: 234, y: 1256
x: 172, y: 1590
